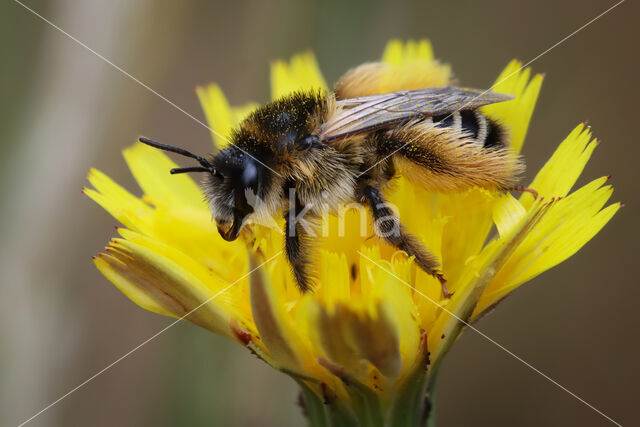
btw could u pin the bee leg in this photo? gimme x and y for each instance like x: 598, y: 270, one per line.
x: 533, y: 192
x: 388, y: 226
x: 296, y: 249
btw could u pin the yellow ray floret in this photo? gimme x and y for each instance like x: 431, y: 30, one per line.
x: 403, y: 67
x: 222, y: 118
x: 515, y: 114
x: 301, y: 73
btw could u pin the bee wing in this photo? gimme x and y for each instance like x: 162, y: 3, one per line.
x: 369, y: 113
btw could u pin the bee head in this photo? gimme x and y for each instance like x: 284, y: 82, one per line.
x: 238, y: 191
x: 234, y: 184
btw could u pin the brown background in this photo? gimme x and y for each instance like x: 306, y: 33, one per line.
x: 65, y: 110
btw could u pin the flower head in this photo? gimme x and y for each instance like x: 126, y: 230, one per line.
x: 367, y: 342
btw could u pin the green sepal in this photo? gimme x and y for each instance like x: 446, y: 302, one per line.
x: 408, y: 405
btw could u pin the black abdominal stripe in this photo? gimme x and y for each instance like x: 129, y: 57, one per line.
x: 473, y: 123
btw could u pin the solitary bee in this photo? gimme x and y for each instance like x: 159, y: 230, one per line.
x: 308, y: 153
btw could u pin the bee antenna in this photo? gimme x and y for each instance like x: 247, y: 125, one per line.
x: 204, y: 162
x: 189, y: 169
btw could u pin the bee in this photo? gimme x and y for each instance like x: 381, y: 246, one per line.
x: 308, y: 153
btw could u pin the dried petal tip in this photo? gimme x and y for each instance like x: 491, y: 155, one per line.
x: 242, y: 335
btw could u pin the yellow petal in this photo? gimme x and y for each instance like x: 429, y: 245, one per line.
x: 562, y: 170
x: 377, y: 327
x: 218, y: 113
x: 234, y: 296
x: 507, y: 213
x: 411, y: 65
x: 221, y: 117
x: 301, y: 73
x: 396, y: 52
x: 185, y: 228
x: 275, y: 324
x: 193, y: 232
x: 165, y: 281
x: 118, y: 273
x: 568, y: 225
x: 397, y: 303
x: 122, y: 205
x: 345, y: 232
x: 350, y: 337
x: 150, y: 167
x: 468, y: 214
x: 478, y: 274
x: 427, y: 297
x: 334, y: 276
x: 515, y: 114
x: 439, y: 220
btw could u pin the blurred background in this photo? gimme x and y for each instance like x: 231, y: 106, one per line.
x: 65, y: 110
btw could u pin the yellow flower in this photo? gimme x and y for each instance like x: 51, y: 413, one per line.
x: 364, y: 346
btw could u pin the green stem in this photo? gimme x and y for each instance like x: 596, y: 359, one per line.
x: 340, y: 416
x: 407, y: 405
x: 324, y: 414
x: 313, y: 406
x: 368, y: 406
x: 430, y: 419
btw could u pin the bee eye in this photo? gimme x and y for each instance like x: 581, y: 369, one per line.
x: 249, y: 178
x: 308, y: 142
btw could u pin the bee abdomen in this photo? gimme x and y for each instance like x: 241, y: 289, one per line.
x: 475, y: 124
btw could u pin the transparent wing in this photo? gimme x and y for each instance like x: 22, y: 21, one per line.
x: 369, y: 113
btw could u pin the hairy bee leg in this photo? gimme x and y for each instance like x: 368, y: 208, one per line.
x: 388, y: 226
x: 531, y: 191
x: 297, y: 252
